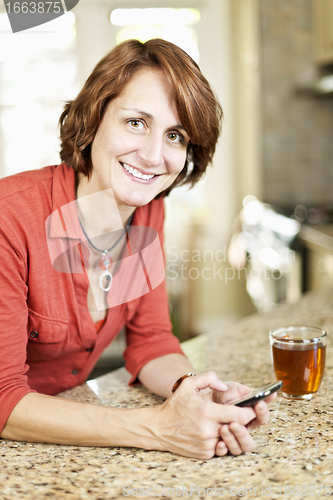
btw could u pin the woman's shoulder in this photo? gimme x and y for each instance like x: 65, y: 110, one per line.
x: 18, y: 183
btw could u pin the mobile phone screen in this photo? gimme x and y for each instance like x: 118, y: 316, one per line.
x: 257, y: 395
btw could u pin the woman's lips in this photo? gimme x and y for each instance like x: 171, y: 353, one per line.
x: 137, y: 175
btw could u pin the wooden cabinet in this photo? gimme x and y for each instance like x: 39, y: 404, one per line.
x: 320, y: 268
x: 319, y: 242
x: 323, y: 31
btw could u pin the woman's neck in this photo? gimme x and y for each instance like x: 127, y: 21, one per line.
x: 99, y: 211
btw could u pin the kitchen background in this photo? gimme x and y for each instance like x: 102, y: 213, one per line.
x: 297, y: 124
x: 269, y: 62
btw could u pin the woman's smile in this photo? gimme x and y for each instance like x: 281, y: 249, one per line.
x: 137, y: 174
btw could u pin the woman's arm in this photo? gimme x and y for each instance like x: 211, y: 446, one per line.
x: 50, y: 419
x: 160, y: 374
x: 185, y: 423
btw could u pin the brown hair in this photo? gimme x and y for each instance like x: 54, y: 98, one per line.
x: 199, y: 110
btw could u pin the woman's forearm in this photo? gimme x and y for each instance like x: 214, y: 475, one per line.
x: 186, y: 423
x: 160, y: 374
x: 49, y: 419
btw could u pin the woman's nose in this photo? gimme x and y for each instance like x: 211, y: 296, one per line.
x: 151, y: 151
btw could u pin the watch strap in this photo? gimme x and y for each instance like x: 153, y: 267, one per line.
x: 180, y: 380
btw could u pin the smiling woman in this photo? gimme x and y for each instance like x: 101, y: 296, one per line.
x: 81, y: 258
x: 198, y: 110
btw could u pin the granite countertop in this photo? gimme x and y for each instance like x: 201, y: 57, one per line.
x: 293, y: 449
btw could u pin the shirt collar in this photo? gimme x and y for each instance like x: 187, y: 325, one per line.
x: 63, y: 221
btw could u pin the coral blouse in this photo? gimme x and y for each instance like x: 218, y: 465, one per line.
x: 48, y: 340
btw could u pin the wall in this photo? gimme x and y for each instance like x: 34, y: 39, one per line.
x: 201, y: 283
x: 297, y: 147
x: 247, y: 93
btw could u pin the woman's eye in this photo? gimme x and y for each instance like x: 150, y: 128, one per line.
x: 135, y: 123
x: 175, y: 137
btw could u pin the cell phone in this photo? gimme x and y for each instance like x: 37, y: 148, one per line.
x: 258, y: 394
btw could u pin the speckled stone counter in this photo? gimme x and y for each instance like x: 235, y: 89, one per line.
x: 294, y: 454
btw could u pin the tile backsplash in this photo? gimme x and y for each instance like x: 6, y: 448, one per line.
x: 297, y: 129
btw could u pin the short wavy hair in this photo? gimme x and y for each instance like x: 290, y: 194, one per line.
x: 198, y: 108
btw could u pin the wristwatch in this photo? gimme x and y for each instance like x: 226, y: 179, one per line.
x: 180, y: 380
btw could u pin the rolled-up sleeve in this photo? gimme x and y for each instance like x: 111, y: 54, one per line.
x: 149, y: 329
x: 13, y: 323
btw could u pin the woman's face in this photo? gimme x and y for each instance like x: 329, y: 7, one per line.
x: 140, y: 146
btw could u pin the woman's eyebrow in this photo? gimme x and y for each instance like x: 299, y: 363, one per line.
x: 140, y: 112
x: 148, y: 115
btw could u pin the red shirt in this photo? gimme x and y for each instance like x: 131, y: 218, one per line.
x: 48, y: 341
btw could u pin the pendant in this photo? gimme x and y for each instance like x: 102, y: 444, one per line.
x: 108, y: 277
x: 105, y: 261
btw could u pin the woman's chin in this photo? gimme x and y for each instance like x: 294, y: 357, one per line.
x: 136, y: 201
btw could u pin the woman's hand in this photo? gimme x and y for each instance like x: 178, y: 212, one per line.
x: 237, y: 438
x: 190, y: 423
x: 238, y: 391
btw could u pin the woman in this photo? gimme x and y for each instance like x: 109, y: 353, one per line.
x: 145, y: 121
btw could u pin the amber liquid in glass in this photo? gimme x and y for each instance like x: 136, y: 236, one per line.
x: 301, y: 371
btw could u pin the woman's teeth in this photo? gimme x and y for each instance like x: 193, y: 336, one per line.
x: 136, y: 173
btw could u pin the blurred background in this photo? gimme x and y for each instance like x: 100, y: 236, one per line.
x: 270, y: 189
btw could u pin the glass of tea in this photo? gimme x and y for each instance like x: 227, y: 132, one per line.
x: 299, y: 354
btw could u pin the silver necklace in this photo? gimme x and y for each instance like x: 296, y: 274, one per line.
x: 105, y: 261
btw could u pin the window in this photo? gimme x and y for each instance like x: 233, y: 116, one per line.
x: 37, y: 73
x: 175, y: 25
